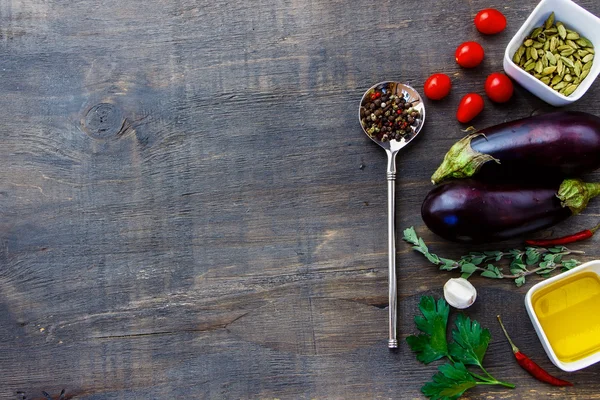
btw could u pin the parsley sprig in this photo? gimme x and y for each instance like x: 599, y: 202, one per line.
x: 533, y: 260
x: 468, y: 348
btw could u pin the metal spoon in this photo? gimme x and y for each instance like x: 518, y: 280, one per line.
x: 392, y: 147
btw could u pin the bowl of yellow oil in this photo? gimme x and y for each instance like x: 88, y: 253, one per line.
x: 565, y: 312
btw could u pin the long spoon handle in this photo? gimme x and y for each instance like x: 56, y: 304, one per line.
x: 391, y: 180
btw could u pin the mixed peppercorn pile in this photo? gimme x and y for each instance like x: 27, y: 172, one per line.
x: 386, y: 116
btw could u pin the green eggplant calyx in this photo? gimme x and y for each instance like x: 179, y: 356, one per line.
x: 576, y: 194
x: 461, y: 161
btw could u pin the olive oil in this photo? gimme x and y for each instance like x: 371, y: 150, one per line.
x: 569, y: 313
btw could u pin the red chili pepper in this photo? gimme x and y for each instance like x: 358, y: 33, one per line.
x: 575, y: 237
x: 530, y: 366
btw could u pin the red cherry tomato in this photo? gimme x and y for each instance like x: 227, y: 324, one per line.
x: 469, y: 107
x: 498, y: 87
x: 490, y: 21
x: 437, y: 86
x: 469, y: 54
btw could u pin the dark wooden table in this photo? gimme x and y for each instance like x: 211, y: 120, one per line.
x: 189, y: 208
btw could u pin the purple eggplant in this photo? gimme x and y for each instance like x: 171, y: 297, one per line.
x: 472, y: 211
x: 560, y: 144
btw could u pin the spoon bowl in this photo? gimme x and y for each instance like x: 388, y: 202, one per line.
x: 401, y: 90
x: 392, y: 147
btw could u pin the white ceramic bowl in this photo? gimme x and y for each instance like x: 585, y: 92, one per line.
x: 574, y: 17
x: 593, y: 266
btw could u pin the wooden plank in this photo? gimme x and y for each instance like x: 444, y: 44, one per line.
x: 190, y: 210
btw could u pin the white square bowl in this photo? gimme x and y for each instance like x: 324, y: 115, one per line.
x: 574, y: 17
x: 592, y: 266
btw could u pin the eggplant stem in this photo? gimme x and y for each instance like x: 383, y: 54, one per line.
x: 461, y: 161
x: 576, y: 194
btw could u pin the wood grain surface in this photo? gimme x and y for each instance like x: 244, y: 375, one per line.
x: 189, y: 209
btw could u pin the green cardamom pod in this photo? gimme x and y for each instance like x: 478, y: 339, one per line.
x: 587, y: 58
x: 556, y: 79
x: 549, y: 22
x: 555, y: 43
x: 572, y: 44
x: 570, y: 89
x: 587, y: 66
x: 577, y: 67
x: 567, y: 52
x: 535, y: 32
x: 539, y: 67
x: 567, y: 61
x: 516, y: 58
x: 528, y: 43
x: 541, y: 37
x: 559, y: 65
x: 551, y: 58
x: 583, y: 42
x: 560, y: 85
x: 584, y: 74
x: 548, y: 70
x: 562, y: 32
x: 534, y: 53
x: 529, y: 66
x: 573, y: 35
x: 545, y: 80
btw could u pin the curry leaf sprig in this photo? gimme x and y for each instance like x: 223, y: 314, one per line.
x: 533, y: 260
x: 468, y: 348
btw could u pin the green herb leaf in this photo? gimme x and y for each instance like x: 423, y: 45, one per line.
x: 517, y: 267
x: 490, y: 274
x: 477, y: 260
x: 569, y: 264
x: 532, y: 256
x: 468, y: 268
x: 432, y: 258
x: 448, y: 265
x: 520, y: 281
x: 449, y: 383
x: 470, y: 341
x: 516, y: 253
x: 411, y: 236
x: 557, y: 249
x: 432, y: 345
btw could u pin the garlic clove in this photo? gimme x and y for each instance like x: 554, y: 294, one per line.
x: 459, y: 293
